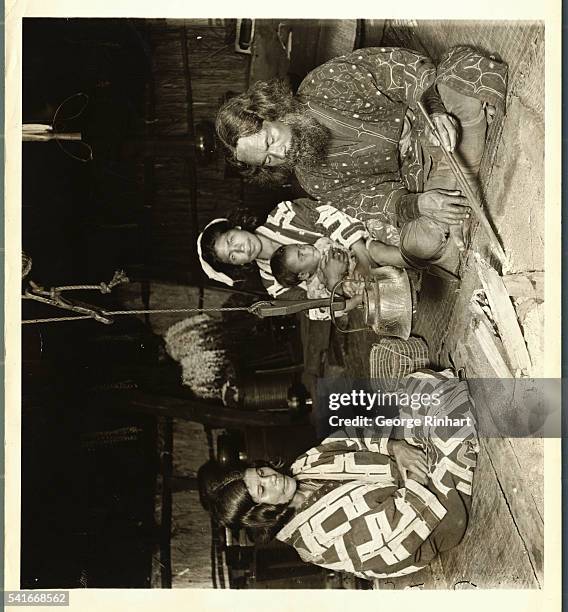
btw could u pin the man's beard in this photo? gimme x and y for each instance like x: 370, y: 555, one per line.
x: 310, y: 140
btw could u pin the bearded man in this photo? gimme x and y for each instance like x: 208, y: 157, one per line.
x: 354, y: 139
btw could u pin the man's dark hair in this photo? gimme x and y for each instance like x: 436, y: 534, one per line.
x: 285, y: 276
x: 244, y: 115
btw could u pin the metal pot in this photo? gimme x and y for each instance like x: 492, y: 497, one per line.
x: 387, y: 303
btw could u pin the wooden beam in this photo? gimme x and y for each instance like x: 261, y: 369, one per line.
x: 213, y: 415
x: 505, y: 316
x: 166, y: 518
x: 509, y: 471
x: 489, y: 344
x: 190, y: 175
x: 189, y: 162
x: 187, y: 77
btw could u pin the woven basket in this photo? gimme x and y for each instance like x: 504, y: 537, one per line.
x: 392, y: 359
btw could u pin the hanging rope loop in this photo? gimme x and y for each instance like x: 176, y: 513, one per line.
x: 52, y: 297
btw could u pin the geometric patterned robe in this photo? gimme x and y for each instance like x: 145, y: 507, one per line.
x: 296, y: 222
x: 364, y: 519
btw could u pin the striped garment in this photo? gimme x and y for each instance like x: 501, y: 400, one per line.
x: 300, y: 222
x: 364, y: 519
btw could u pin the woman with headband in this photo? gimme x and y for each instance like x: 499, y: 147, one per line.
x: 226, y: 247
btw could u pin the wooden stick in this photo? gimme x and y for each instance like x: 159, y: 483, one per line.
x: 466, y: 188
x: 490, y: 345
x: 38, y: 132
x: 504, y: 315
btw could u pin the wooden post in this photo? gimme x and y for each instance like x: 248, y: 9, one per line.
x: 39, y: 132
x: 166, y: 518
x: 213, y: 415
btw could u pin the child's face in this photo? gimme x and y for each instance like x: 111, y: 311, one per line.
x: 302, y: 259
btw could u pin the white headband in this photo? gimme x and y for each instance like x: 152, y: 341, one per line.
x: 208, y: 268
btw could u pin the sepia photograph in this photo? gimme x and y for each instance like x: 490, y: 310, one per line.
x: 283, y: 304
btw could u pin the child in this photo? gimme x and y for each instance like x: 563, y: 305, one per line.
x: 296, y: 263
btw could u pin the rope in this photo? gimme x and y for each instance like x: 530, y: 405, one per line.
x: 53, y: 298
x: 136, y: 312
x: 54, y: 127
x: 102, y: 287
x: 55, y: 319
x: 175, y: 310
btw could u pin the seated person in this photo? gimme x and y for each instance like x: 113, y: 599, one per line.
x: 296, y: 263
x: 372, y: 501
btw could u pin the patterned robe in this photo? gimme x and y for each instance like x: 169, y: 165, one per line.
x: 375, y: 167
x: 294, y: 223
x: 364, y: 519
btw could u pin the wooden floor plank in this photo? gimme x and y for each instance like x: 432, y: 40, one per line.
x: 499, y: 409
x: 509, y: 469
x: 492, y: 554
x: 530, y: 456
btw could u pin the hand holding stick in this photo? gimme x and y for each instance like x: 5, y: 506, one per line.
x: 475, y: 204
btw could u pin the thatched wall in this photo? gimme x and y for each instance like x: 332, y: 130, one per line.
x: 190, y: 527
x: 194, y: 66
x: 214, y: 66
